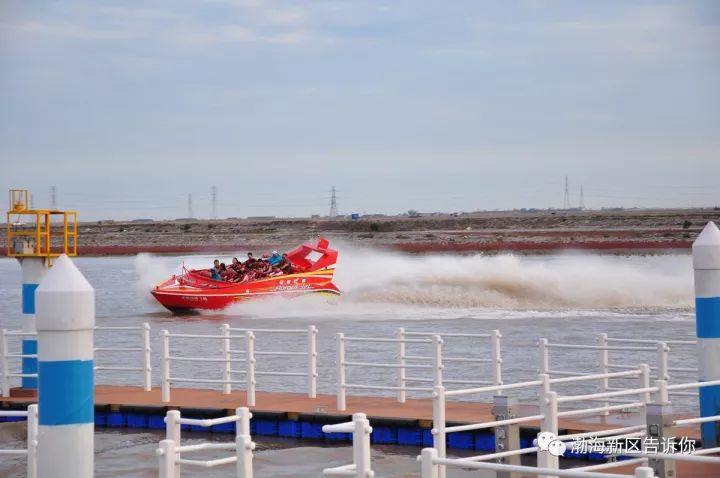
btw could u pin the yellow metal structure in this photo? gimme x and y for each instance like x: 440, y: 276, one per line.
x: 44, y: 233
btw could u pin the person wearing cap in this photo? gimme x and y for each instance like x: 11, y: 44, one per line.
x: 274, y: 259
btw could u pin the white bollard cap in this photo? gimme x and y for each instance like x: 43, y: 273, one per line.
x: 65, y: 300
x: 706, y: 248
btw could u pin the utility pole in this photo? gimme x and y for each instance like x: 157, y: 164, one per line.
x: 582, y: 198
x: 566, y: 201
x: 190, y: 213
x: 214, y: 202
x: 53, y: 197
x: 333, y: 204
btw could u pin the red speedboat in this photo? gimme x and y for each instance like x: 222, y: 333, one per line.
x: 313, y: 267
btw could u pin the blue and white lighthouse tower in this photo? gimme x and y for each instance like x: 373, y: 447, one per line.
x: 35, y: 237
x: 33, y: 270
x: 706, y: 262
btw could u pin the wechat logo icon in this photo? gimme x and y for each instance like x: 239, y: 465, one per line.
x: 549, y: 442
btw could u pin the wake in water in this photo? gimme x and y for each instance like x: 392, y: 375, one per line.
x: 496, y: 282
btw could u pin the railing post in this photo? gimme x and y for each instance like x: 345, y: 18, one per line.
x: 427, y: 462
x: 544, y: 356
x: 244, y: 446
x: 438, y: 430
x: 496, y: 357
x: 437, y: 343
x: 340, y: 346
x: 507, y: 437
x: 166, y: 459
x: 644, y: 472
x: 659, y: 419
x: 32, y: 435
x: 225, y: 332
x: 662, y: 370
x: 312, y: 361
x: 172, y: 434
x: 401, y: 361
x: 361, y: 446
x: 165, y: 366
x: 147, y: 358
x: 604, y: 368
x: 548, y: 408
x: 4, y: 369
x: 250, y: 346
x: 662, y: 396
x: 645, y: 381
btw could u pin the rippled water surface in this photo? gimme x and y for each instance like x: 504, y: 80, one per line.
x: 567, y: 298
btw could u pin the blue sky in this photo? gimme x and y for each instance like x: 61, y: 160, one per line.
x: 126, y: 107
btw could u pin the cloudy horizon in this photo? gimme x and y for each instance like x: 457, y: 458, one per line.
x: 128, y: 107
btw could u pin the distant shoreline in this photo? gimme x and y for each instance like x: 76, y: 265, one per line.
x: 661, y: 231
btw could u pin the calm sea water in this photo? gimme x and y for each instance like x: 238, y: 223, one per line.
x: 566, y: 298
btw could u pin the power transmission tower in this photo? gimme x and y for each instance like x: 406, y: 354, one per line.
x: 53, y: 197
x: 582, y: 198
x: 333, y: 204
x: 214, y: 202
x: 190, y: 213
x: 566, y: 201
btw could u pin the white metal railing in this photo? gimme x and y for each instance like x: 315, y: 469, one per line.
x: 32, y: 434
x: 310, y: 354
x: 361, y: 430
x: 548, y: 412
x: 144, y: 349
x: 432, y: 466
x: 435, y: 362
x: 230, y: 356
x: 6, y: 374
x: 170, y: 453
x: 5, y: 356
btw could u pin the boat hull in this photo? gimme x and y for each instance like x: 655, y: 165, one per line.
x: 179, y: 297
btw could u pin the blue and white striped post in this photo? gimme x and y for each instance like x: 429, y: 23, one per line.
x: 65, y: 323
x: 33, y: 270
x: 706, y: 262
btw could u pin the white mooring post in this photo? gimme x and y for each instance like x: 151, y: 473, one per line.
x: 244, y: 445
x: 604, y: 369
x: 227, y: 365
x: 340, y: 345
x: 437, y: 363
x: 32, y: 436
x: 548, y: 408
x: 544, y: 356
x: 165, y: 366
x: 66, y: 393
x: 172, y: 435
x: 427, y: 462
x: 147, y: 357
x: 250, y: 362
x: 706, y: 262
x: 439, y: 424
x: 660, y: 420
x: 662, y: 359
x: 312, y: 361
x: 361, y: 430
x: 496, y: 357
x: 4, y: 369
x: 401, y: 362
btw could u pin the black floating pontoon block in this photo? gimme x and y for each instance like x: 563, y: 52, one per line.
x: 323, y: 418
x: 394, y: 422
x: 195, y: 412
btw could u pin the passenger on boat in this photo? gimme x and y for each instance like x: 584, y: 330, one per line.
x: 274, y: 259
x: 215, y: 271
x: 285, y: 265
x: 250, y: 260
x: 224, y: 272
